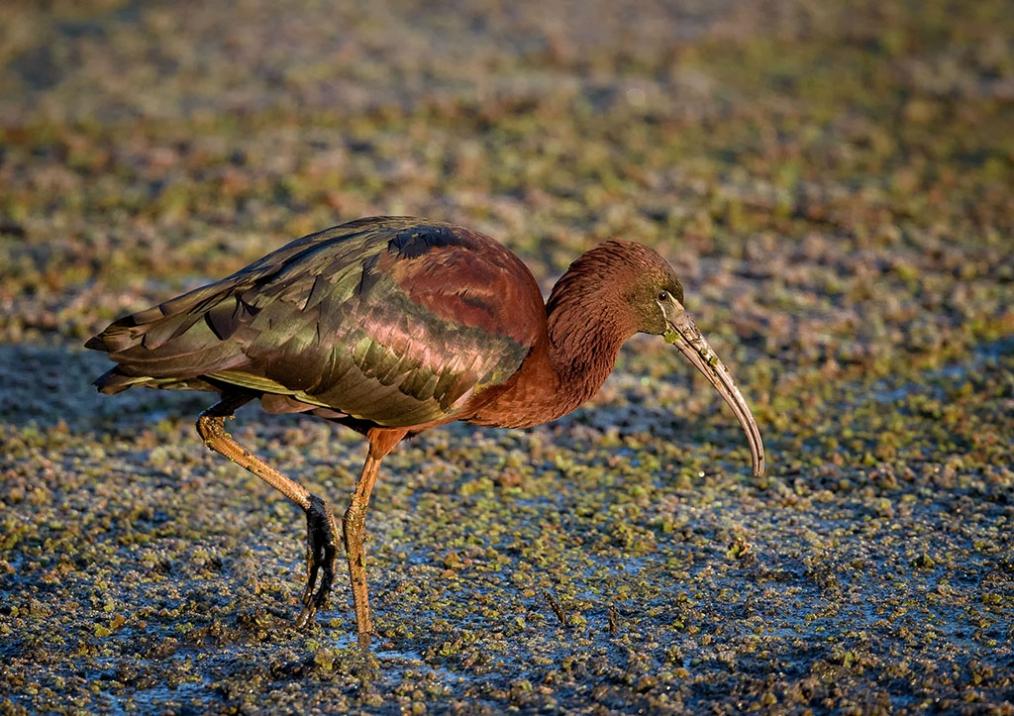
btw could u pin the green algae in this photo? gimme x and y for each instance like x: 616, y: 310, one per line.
x: 832, y: 185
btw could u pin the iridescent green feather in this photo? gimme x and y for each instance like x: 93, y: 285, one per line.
x: 310, y: 321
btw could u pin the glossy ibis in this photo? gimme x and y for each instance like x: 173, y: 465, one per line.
x: 394, y: 325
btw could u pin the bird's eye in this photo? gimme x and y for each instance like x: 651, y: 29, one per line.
x: 663, y: 296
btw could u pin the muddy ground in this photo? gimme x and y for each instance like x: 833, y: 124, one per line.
x: 833, y: 185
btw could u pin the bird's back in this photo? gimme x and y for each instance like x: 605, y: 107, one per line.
x: 390, y: 320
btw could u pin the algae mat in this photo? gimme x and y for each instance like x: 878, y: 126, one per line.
x: 832, y: 184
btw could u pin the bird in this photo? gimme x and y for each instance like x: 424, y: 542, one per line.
x: 394, y: 325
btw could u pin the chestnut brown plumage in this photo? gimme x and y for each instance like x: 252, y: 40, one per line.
x: 391, y: 326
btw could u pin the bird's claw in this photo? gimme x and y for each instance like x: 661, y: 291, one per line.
x: 321, y: 551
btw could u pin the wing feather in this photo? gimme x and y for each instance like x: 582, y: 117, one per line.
x: 388, y: 320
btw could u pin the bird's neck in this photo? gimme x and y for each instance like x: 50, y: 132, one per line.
x: 586, y: 327
x: 586, y: 332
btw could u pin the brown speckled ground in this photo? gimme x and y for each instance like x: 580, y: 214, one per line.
x: 834, y: 186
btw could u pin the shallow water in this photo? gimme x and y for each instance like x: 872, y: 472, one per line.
x: 832, y: 186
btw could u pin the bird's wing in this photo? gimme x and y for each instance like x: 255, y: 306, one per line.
x: 387, y: 320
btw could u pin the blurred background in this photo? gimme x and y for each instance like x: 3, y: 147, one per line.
x: 832, y: 182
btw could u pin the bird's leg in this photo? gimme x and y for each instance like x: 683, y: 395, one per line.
x: 354, y: 521
x: 321, y: 528
x: 352, y: 529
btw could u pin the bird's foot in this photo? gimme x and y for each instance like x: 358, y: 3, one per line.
x: 365, y: 669
x: 321, y: 550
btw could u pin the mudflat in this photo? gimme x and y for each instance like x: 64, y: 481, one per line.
x: 832, y: 184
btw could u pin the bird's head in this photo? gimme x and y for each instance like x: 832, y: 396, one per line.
x: 649, y: 298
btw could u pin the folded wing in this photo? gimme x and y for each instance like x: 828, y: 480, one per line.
x: 387, y: 320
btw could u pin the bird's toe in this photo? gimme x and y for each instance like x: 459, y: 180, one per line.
x: 321, y: 550
x: 312, y: 567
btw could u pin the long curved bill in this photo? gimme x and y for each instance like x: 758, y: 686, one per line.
x: 682, y: 332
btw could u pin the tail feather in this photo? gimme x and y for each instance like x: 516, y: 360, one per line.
x: 169, y: 345
x: 113, y: 381
x: 116, y: 381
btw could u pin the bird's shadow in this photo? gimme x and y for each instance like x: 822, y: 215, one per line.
x: 52, y: 385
